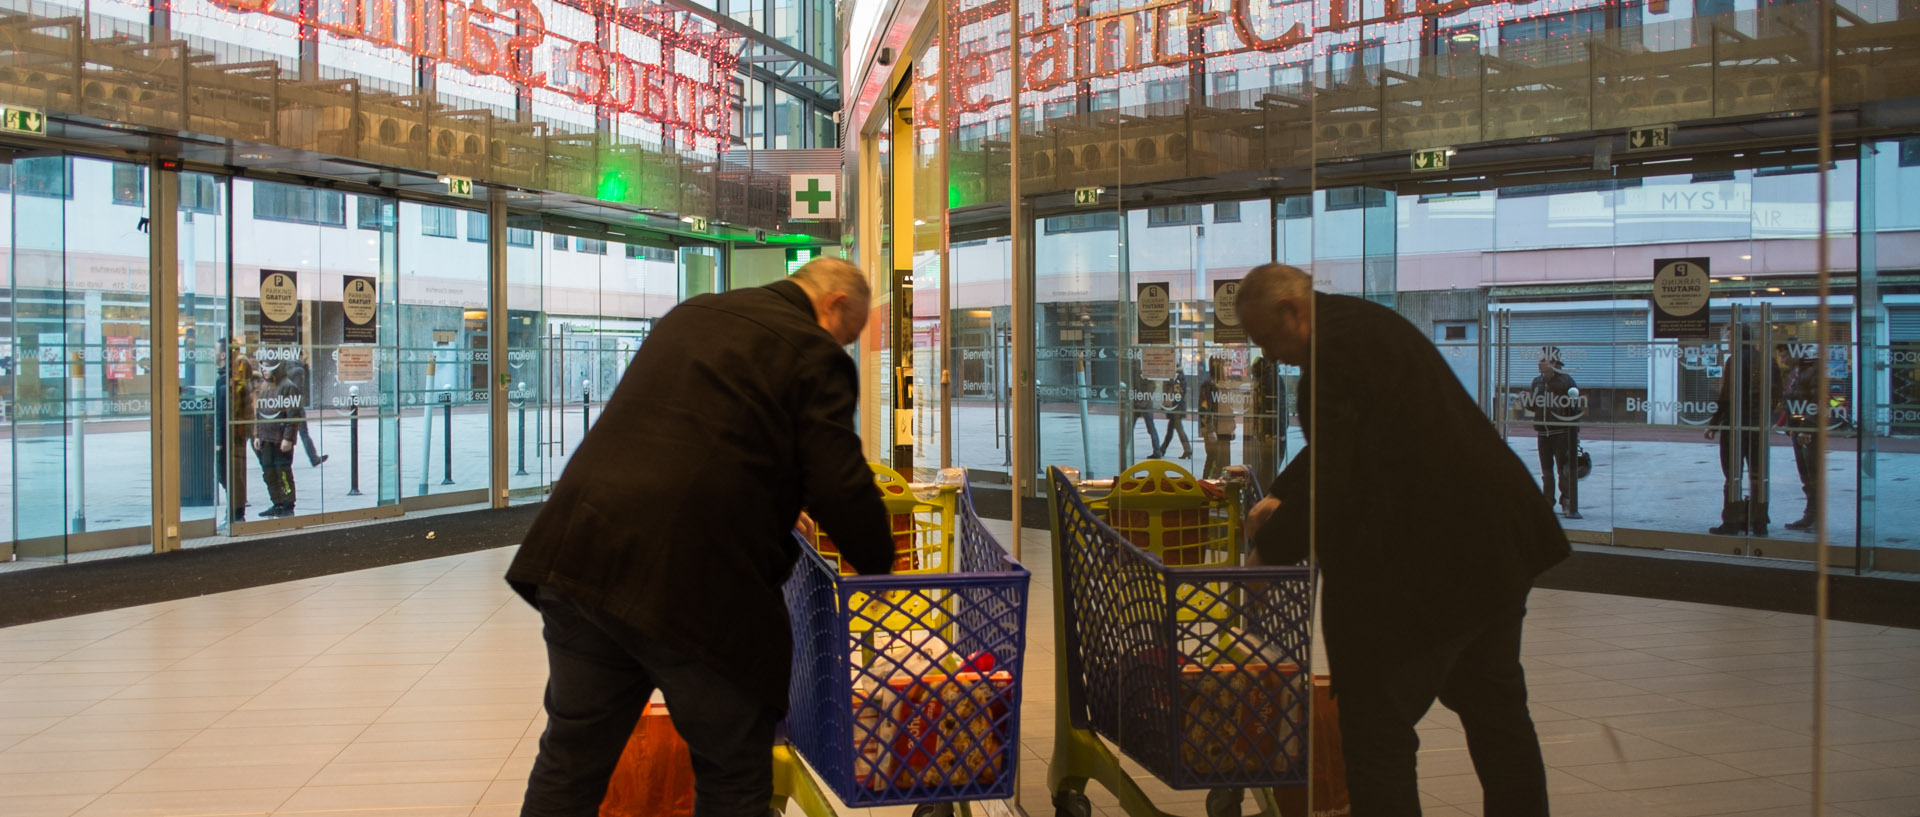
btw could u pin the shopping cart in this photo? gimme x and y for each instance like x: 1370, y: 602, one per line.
x: 906, y: 688
x: 922, y: 520
x: 1199, y: 673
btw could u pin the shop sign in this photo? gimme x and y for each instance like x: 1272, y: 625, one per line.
x: 279, y: 306
x: 119, y: 358
x: 1680, y: 297
x: 360, y: 310
x: 682, y: 79
x: 1061, y: 48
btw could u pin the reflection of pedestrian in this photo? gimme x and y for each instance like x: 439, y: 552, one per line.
x: 238, y: 388
x: 1267, y: 426
x: 1742, y: 447
x: 658, y: 561
x: 1142, y: 409
x: 302, y: 379
x: 1428, y: 533
x: 1800, y: 412
x: 1173, y: 400
x: 280, y: 416
x: 1554, y: 400
x: 1217, y: 422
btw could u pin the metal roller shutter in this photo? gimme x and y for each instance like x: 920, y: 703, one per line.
x: 1598, y: 347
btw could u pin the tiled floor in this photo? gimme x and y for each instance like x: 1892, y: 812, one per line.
x: 413, y: 691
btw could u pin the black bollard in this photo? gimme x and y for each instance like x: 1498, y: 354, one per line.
x: 586, y: 411
x: 522, y: 470
x: 446, y: 437
x: 353, y: 448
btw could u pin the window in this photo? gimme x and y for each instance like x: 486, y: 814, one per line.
x: 646, y: 253
x: 1173, y: 215
x: 129, y: 184
x: 519, y: 237
x: 1226, y: 82
x: 199, y: 193
x: 591, y: 246
x: 1456, y: 50
x: 1105, y: 101
x: 476, y: 226
x: 1104, y: 220
x: 44, y: 177
x: 1166, y: 90
x: 1355, y: 198
x: 1226, y: 212
x: 1358, y: 64
x: 1064, y: 109
x: 1288, y: 77
x: 560, y: 243
x: 1296, y: 207
x: 1552, y: 39
x: 369, y: 212
x: 301, y: 205
x: 442, y: 222
x: 1594, y: 186
x: 1910, y: 152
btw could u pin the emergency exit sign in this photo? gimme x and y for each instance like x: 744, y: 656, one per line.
x: 460, y: 186
x: 1086, y: 195
x: 23, y: 120
x: 1435, y: 159
x: 1650, y: 137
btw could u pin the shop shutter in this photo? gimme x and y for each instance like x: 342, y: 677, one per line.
x: 1598, y: 346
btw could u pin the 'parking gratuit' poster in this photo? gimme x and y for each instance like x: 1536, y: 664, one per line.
x: 279, y: 306
x: 360, y: 312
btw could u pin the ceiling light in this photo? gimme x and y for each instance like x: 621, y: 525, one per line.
x: 254, y: 156
x: 1466, y: 37
x: 1738, y: 278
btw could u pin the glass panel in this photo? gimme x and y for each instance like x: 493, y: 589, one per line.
x: 444, y: 357
x: 926, y: 284
x: 529, y: 474
x: 80, y: 322
x: 205, y: 452
x: 1888, y: 392
x: 312, y: 387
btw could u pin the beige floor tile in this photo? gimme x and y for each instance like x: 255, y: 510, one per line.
x: 1798, y: 760
x: 1895, y: 807
x: 63, y: 783
x: 57, y: 805
x: 1649, y: 774
x: 505, y: 791
x: 186, y: 803
x: 164, y: 706
x: 449, y: 730
x: 16, y: 762
x: 1863, y: 784
x: 396, y: 751
x: 1724, y: 797
x: 392, y: 795
x: 1723, y: 739
x: 89, y: 740
x: 26, y: 726
x: 409, y: 771
x: 521, y: 710
x: 213, y: 778
x: 201, y: 757
x: 274, y: 736
x: 249, y: 717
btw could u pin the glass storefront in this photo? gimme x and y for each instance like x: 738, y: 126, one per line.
x: 334, y: 350
x: 1509, y: 178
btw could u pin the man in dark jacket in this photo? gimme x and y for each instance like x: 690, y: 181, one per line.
x: 1428, y: 532
x: 281, y: 413
x: 1742, y: 448
x: 658, y: 561
x: 1555, y: 403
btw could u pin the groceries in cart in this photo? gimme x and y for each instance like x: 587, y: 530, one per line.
x: 906, y: 687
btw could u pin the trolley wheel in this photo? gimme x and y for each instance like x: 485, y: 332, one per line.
x: 933, y: 810
x: 1225, y: 802
x: 1071, y: 804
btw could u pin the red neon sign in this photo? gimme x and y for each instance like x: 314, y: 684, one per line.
x: 500, y: 42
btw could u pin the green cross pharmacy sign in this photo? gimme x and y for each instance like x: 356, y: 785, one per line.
x: 814, y: 197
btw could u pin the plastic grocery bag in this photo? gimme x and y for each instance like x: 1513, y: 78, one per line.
x: 655, y: 775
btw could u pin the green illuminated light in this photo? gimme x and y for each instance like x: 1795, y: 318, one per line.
x: 798, y: 257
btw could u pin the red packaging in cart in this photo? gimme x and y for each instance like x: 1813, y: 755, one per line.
x: 936, y: 733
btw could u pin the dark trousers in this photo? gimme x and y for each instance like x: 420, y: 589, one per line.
x: 600, y: 674
x: 306, y: 439
x: 1805, y: 463
x: 1558, y: 450
x: 1176, y: 424
x: 1752, y: 511
x: 276, y: 468
x: 1153, y: 434
x: 1478, y: 676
